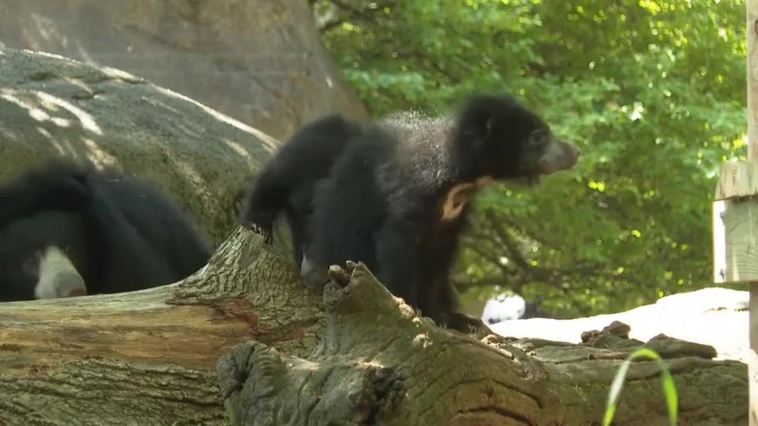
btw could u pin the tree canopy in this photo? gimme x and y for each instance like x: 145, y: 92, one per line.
x: 652, y: 91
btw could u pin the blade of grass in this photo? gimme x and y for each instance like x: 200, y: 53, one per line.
x: 667, y: 383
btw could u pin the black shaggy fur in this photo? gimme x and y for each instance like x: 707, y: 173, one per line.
x: 394, y: 195
x: 120, y: 234
x: 288, y: 181
x: 383, y: 203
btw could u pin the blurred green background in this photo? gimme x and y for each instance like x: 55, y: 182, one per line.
x: 653, y: 92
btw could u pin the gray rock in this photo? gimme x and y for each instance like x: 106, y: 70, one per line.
x: 53, y: 107
x: 259, y: 61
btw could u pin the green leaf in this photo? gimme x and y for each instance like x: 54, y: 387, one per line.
x: 667, y: 383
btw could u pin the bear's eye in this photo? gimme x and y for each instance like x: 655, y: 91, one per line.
x: 538, y: 138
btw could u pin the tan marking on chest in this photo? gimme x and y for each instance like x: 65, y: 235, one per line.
x: 459, y: 195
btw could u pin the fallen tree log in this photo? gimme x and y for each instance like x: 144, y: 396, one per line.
x: 243, y: 342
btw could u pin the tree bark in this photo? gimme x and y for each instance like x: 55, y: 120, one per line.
x: 243, y: 336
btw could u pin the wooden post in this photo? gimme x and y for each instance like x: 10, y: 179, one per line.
x: 735, y: 212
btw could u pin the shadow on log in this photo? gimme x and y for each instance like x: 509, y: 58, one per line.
x: 243, y: 334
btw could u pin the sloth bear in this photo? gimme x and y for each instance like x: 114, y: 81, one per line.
x: 394, y: 195
x: 288, y: 181
x: 68, y: 231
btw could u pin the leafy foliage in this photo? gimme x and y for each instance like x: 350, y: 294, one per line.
x: 652, y: 91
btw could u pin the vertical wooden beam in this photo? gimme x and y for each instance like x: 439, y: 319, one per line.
x: 752, y: 132
x: 752, y: 79
x: 735, y: 212
x: 753, y: 354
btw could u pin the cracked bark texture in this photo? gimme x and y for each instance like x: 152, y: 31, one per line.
x: 379, y: 363
x: 149, y: 357
x: 259, y: 61
x: 243, y: 337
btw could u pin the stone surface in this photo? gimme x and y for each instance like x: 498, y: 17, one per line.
x: 52, y: 107
x: 259, y: 61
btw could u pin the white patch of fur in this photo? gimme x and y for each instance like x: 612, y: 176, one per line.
x: 57, y: 275
x: 305, y: 266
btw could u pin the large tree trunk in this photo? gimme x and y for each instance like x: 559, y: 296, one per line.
x: 352, y: 355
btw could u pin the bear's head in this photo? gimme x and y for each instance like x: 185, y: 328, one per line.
x: 499, y: 138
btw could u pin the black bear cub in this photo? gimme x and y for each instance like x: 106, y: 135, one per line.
x: 288, y: 181
x: 68, y: 231
x: 396, y: 196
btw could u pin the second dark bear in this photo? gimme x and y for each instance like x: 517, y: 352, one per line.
x: 397, y: 195
x: 67, y: 231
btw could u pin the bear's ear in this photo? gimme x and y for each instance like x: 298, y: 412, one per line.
x: 484, y: 125
x: 482, y: 119
x: 476, y: 127
x: 492, y: 128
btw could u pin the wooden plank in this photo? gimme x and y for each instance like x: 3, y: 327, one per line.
x: 737, y: 179
x: 752, y: 79
x: 735, y: 241
x: 752, y: 126
x: 752, y: 361
x: 719, y: 244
